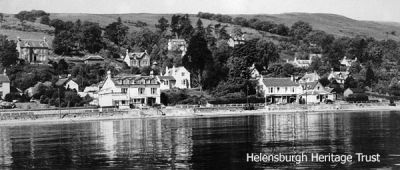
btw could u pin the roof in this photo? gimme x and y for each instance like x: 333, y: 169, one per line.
x: 62, y: 81
x: 310, y: 85
x: 315, y: 92
x: 336, y: 74
x: 94, y: 57
x: 137, y: 55
x: 311, y: 76
x: 356, y: 90
x: 129, y: 79
x: 4, y: 78
x: 34, y: 43
x: 166, y: 78
x: 279, y: 82
x: 177, y: 69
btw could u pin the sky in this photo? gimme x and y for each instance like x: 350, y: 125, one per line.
x: 377, y: 10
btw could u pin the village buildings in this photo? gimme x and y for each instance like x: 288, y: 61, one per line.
x: 304, y: 63
x: 129, y: 91
x: 137, y: 59
x: 33, y: 51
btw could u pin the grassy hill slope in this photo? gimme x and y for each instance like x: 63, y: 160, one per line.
x: 336, y: 24
x: 331, y: 23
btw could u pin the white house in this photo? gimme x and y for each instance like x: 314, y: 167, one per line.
x: 166, y: 82
x: 4, y: 85
x: 304, y: 62
x: 316, y: 96
x: 137, y: 59
x: 177, y: 45
x: 310, y: 77
x: 279, y: 90
x: 181, y: 76
x: 347, y: 62
x: 128, y: 91
x: 339, y: 76
x: 68, y: 83
x: 236, y: 40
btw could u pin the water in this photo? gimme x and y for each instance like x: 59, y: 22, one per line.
x: 202, y: 143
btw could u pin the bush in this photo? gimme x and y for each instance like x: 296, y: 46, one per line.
x: 225, y: 100
x: 357, y: 97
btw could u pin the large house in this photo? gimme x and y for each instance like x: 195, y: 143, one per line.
x: 181, y: 76
x: 128, y: 91
x: 137, y: 59
x: 339, y: 76
x: 236, y: 40
x: 304, y: 62
x: 4, y: 85
x: 68, y: 83
x: 177, y: 45
x: 33, y: 51
x: 347, y: 62
x: 93, y: 59
x: 279, y: 90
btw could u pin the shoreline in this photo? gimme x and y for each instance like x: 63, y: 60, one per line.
x: 187, y: 114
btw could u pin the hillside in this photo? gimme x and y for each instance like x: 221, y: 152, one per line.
x: 330, y: 23
x: 335, y: 24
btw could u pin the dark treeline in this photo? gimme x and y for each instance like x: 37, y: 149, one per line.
x: 255, y: 23
x: 30, y: 15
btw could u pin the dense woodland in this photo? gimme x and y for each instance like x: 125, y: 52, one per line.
x: 216, y: 68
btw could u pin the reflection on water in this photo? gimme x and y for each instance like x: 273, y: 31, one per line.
x: 202, y: 143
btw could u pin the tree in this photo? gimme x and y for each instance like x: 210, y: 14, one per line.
x: 266, y: 53
x: 162, y: 24
x: 92, y: 41
x: 1, y: 17
x: 144, y: 39
x: 116, y: 32
x: 45, y: 20
x: 300, y: 29
x: 197, y: 56
x: 8, y: 52
x: 241, y: 21
x: 369, y: 76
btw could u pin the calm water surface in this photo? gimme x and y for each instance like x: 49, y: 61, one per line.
x: 202, y: 143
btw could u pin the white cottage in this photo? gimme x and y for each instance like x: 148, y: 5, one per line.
x: 181, y: 76
x: 279, y: 90
x: 128, y: 91
x: 68, y: 83
x: 137, y: 59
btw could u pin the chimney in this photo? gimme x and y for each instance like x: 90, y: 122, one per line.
x: 108, y: 74
x: 292, y: 77
x: 151, y: 73
x: 332, y: 69
x: 69, y: 75
x: 166, y: 71
x: 5, y: 72
x: 173, y: 70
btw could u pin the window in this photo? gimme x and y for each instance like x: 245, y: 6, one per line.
x: 1, y: 85
x: 285, y: 89
x: 293, y: 89
x: 166, y: 82
x: 134, y: 63
x: 153, y: 90
x: 271, y: 90
x: 184, y: 82
x: 141, y: 90
x: 183, y: 74
x: 277, y: 89
x: 124, y: 90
